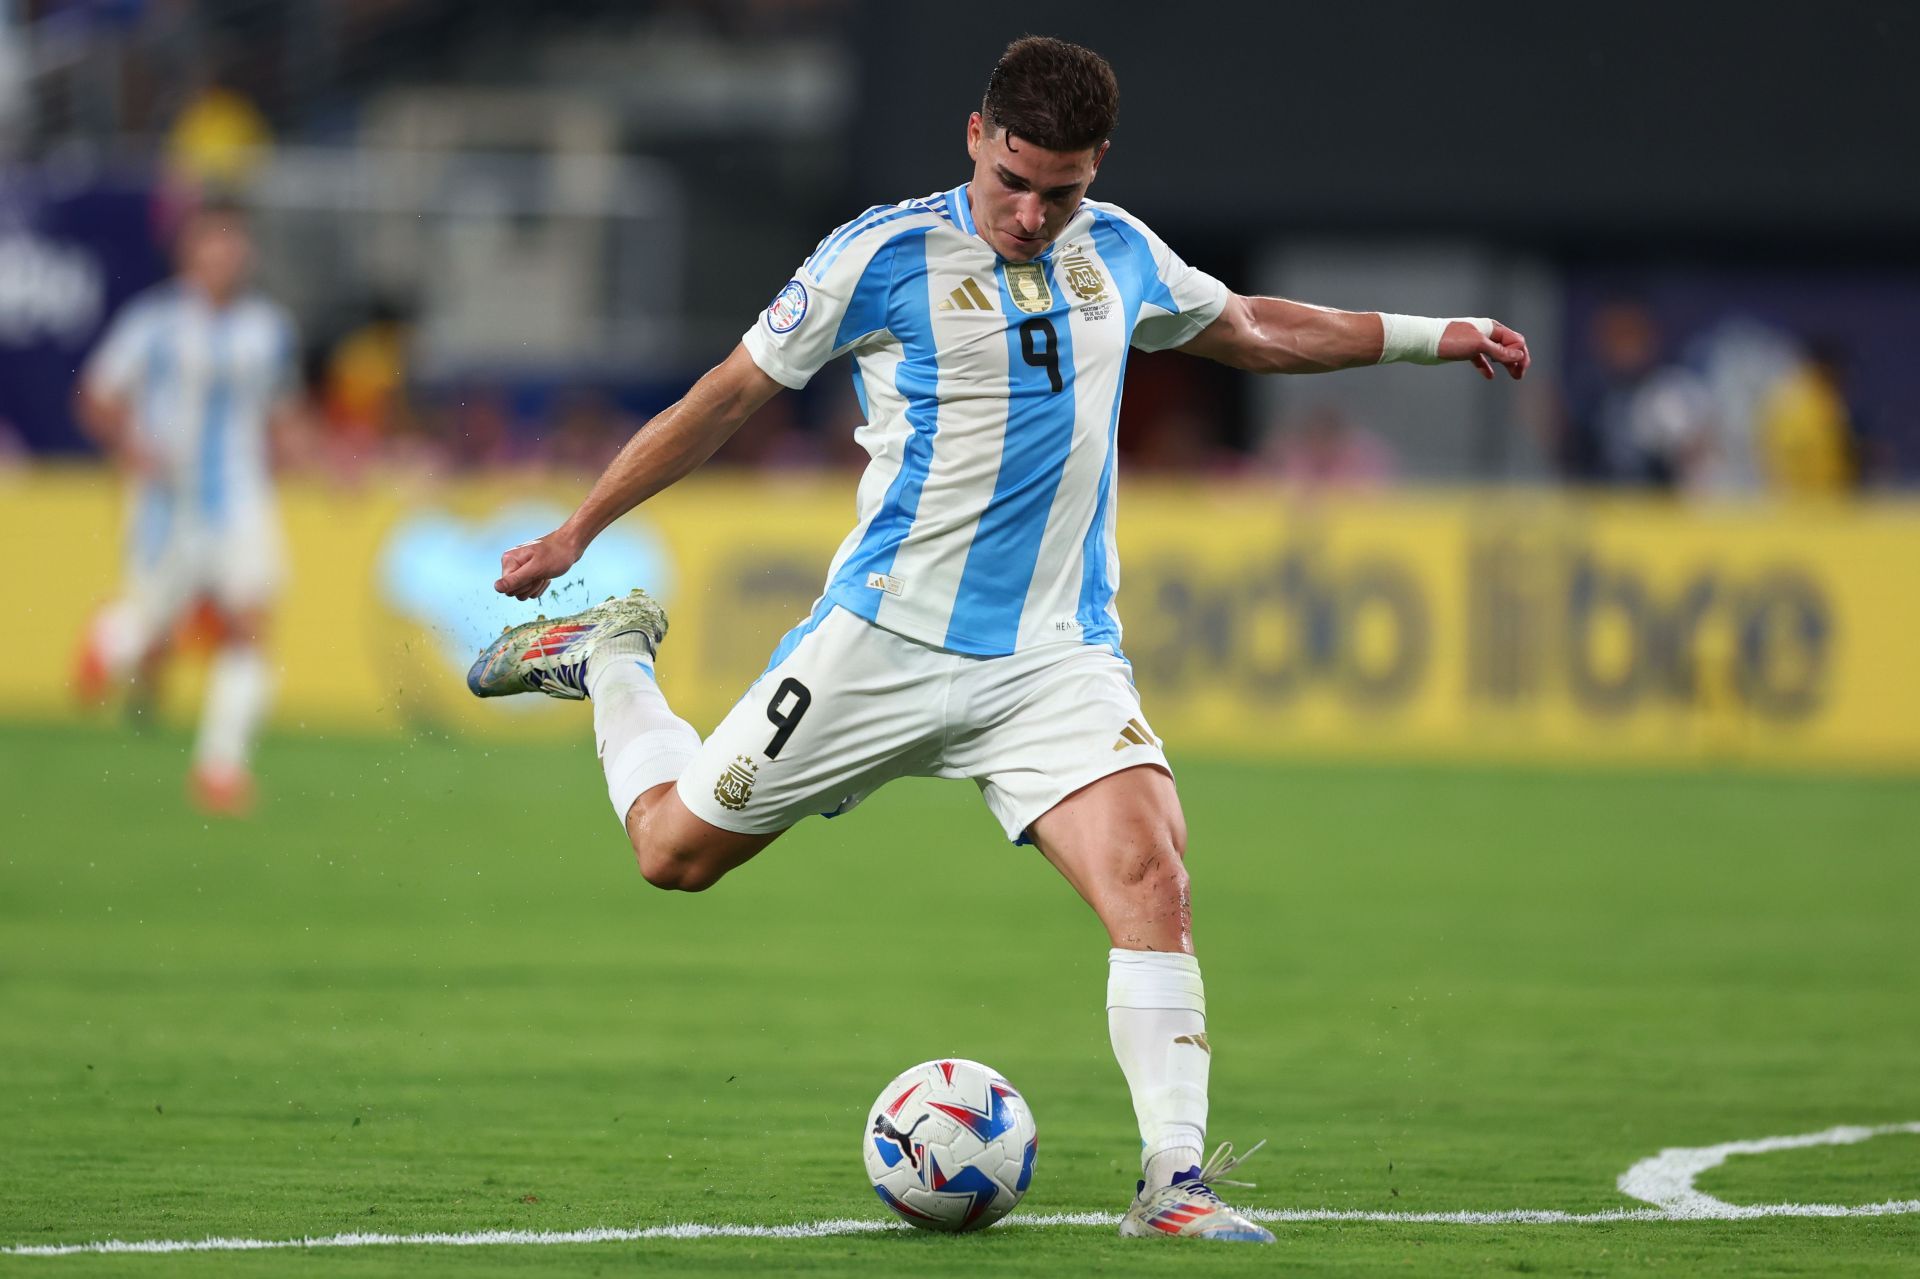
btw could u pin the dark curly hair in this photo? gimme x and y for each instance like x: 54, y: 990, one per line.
x: 1053, y: 94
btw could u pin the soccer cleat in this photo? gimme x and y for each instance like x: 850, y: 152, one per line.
x: 1190, y: 1209
x: 90, y: 680
x: 221, y: 791
x: 551, y: 657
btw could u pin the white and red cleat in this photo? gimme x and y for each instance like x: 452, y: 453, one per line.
x: 89, y: 673
x: 1190, y: 1209
x: 221, y: 792
x: 550, y: 657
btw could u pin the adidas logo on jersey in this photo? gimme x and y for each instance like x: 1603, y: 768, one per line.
x: 968, y: 297
x: 1135, y: 734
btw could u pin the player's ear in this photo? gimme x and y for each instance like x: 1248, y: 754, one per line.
x: 975, y: 129
x: 1099, y: 154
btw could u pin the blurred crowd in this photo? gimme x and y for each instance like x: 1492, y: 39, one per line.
x: 1741, y: 408
x: 1720, y: 404
x: 209, y: 75
x: 1745, y: 409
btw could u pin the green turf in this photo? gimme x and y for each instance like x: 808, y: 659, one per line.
x: 425, y: 990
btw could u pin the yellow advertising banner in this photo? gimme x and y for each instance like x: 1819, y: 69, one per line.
x: 1464, y: 625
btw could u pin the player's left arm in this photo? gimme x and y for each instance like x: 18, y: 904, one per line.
x: 1273, y: 335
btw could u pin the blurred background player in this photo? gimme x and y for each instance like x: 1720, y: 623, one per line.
x: 184, y: 392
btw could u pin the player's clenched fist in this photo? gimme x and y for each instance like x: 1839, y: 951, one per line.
x: 526, y: 570
x: 1503, y: 346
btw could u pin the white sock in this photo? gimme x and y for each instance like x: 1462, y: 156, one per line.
x: 1157, y: 1017
x: 238, y: 689
x: 642, y: 742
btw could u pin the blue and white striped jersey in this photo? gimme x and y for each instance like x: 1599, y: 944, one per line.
x: 992, y: 394
x: 201, y: 381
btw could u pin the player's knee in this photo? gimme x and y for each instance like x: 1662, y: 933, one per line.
x: 669, y: 865
x: 667, y: 857
x: 1155, y: 868
x: 674, y: 874
x: 675, y: 869
x: 656, y: 859
x: 653, y: 853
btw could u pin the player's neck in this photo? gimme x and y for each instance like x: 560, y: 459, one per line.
x: 216, y: 299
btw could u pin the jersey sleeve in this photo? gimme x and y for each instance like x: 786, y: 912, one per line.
x: 114, y: 367
x: 834, y: 302
x: 1177, y: 300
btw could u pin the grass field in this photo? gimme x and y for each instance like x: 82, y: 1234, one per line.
x: 425, y: 990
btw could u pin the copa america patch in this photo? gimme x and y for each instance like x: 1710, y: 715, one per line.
x: 788, y: 308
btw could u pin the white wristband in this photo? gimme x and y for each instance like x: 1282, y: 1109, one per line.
x: 1415, y: 339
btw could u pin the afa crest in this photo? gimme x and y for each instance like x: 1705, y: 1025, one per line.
x: 735, y: 786
x: 1027, y: 286
x: 1084, y: 278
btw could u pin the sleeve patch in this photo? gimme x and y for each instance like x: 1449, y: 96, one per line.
x: 788, y: 308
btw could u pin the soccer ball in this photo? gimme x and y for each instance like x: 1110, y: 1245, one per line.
x: 950, y: 1146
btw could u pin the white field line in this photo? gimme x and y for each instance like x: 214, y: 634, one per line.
x: 1665, y: 1180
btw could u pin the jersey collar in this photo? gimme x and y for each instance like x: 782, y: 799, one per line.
x: 962, y: 206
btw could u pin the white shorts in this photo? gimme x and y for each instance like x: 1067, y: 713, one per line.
x: 846, y: 707
x: 236, y: 566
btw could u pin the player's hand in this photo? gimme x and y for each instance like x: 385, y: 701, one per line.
x: 1504, y: 346
x: 528, y: 569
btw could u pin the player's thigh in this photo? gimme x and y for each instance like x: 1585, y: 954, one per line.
x: 1054, y: 722
x: 1121, y: 843
x: 161, y: 593
x: 1116, y: 833
x: 844, y: 709
x: 1072, y: 766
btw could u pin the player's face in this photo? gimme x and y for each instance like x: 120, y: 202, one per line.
x: 1023, y: 194
x: 215, y: 254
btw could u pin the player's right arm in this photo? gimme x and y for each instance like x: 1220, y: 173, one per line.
x: 1188, y: 309
x: 667, y: 449
x: 103, y: 402
x: 1274, y: 335
x: 836, y: 302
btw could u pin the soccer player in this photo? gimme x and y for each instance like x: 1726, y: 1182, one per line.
x: 183, y: 392
x: 967, y: 629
